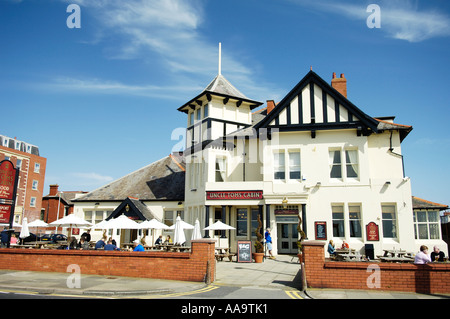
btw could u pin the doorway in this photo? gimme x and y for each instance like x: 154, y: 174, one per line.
x: 287, y: 238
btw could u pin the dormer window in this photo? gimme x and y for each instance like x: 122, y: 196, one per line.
x: 198, y: 115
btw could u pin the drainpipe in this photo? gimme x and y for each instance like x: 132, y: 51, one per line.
x: 391, y: 150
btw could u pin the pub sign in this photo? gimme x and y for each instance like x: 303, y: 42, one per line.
x: 372, y: 232
x: 8, y: 188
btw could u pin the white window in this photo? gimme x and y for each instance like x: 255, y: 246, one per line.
x: 37, y: 167
x: 33, y: 202
x: 354, y: 212
x: 346, y: 165
x: 294, y: 165
x: 335, y: 164
x: 426, y: 224
x: 338, y: 220
x: 191, y: 118
x: 34, y: 186
x: 389, y: 221
x: 279, y: 166
x: 5, y: 142
x: 198, y: 114
x: 351, y: 161
x: 205, y: 111
x: 88, y: 216
x: 170, y: 216
x: 221, y: 165
x: 18, y: 146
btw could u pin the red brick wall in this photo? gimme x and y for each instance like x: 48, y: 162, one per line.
x: 158, y: 265
x: 430, y: 278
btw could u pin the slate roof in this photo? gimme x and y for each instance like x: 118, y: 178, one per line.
x: 162, y: 180
x: 220, y: 86
x: 66, y: 197
x: 419, y: 203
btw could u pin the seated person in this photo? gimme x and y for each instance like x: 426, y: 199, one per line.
x: 422, y: 256
x: 138, y: 246
x: 437, y: 254
x: 168, y: 240
x: 344, y: 245
x: 159, y: 241
x: 331, y: 249
x: 83, y: 244
x: 110, y: 245
x: 100, y: 244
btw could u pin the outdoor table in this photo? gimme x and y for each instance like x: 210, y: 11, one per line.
x: 222, y: 252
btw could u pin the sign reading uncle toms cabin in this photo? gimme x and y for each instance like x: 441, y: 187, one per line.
x: 7, y: 190
x: 233, y: 195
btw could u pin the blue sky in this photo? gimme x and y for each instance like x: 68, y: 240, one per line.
x: 101, y: 101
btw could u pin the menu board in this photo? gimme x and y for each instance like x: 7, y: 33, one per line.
x: 244, y: 251
x: 321, y: 230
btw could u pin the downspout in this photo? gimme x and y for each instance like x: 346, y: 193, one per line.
x: 391, y: 149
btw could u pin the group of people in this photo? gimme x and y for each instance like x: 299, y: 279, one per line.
x: 422, y: 256
x: 332, y: 247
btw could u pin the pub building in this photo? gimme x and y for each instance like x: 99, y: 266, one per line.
x: 313, y: 154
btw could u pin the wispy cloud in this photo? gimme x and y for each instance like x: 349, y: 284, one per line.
x: 400, y: 19
x: 169, y: 33
x: 99, y: 86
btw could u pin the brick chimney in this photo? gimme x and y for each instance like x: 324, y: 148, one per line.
x: 54, y: 189
x: 339, y: 84
x: 270, y: 106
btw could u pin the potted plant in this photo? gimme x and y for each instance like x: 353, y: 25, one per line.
x: 258, y: 255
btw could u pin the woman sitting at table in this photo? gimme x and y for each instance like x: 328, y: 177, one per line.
x: 13, y: 239
x: 422, y: 256
x: 331, y: 249
x: 168, y: 240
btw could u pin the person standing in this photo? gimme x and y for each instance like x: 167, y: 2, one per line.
x: 269, y: 242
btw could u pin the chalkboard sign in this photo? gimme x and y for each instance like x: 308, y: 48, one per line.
x: 321, y: 230
x: 244, y: 251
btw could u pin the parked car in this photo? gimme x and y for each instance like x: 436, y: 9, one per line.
x: 31, y: 238
x: 54, y: 237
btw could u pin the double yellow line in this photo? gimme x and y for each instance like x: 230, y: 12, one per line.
x: 294, y: 294
x: 187, y: 293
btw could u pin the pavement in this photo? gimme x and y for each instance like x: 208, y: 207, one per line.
x: 282, y: 273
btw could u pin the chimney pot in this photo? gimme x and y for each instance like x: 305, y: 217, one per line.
x: 339, y: 84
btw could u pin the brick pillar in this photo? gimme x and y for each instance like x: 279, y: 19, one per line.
x: 314, y: 259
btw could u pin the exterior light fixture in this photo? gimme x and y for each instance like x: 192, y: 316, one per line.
x: 284, y: 202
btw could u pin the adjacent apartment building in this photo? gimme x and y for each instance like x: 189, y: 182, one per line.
x: 25, y: 156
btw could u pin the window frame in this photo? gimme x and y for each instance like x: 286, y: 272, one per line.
x: 384, y: 221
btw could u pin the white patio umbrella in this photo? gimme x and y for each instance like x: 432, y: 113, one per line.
x: 196, y: 234
x: 179, y: 238
x: 218, y: 225
x: 38, y: 223
x: 121, y: 222
x: 184, y: 225
x: 24, y: 232
x: 102, y: 225
x: 71, y: 221
x: 153, y: 224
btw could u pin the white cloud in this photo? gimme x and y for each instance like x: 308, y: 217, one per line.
x: 400, y: 19
x: 99, y: 86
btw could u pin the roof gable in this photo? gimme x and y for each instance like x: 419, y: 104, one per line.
x: 133, y: 208
x: 313, y: 105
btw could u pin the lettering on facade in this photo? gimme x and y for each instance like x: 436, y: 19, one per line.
x: 233, y: 195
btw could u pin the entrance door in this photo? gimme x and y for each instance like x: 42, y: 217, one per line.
x: 287, y: 238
